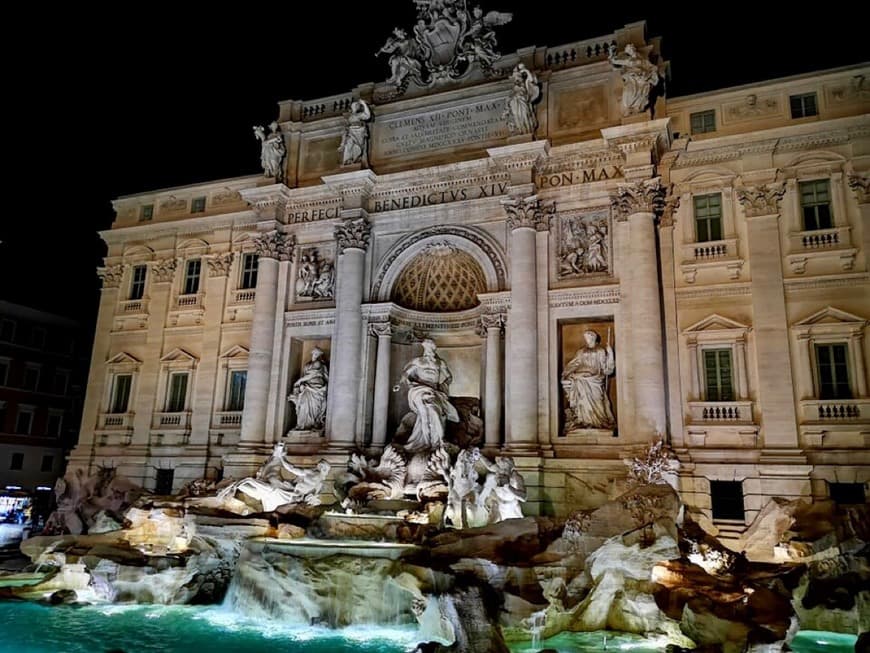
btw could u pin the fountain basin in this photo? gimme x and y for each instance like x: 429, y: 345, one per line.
x: 308, y: 548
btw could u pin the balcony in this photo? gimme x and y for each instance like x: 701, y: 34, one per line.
x: 171, y: 421
x: 189, y: 301
x: 721, y: 412
x: 834, y: 243
x: 721, y: 425
x: 244, y: 296
x: 115, y: 422
x: 133, y: 307
x: 835, y: 411
x: 711, y: 254
x: 230, y: 419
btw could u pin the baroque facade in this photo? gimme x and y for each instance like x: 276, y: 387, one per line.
x: 600, y: 267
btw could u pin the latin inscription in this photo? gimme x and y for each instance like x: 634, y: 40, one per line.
x: 415, y: 200
x: 454, y: 127
x: 312, y: 215
x: 557, y: 180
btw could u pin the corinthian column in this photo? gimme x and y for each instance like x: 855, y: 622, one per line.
x: 271, y: 248
x: 524, y: 217
x: 383, y: 331
x: 353, y: 240
x: 490, y: 327
x: 638, y: 203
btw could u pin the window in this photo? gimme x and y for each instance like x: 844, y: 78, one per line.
x: 249, y: 271
x: 60, y: 382
x: 718, y: 375
x: 7, y: 330
x: 833, y: 371
x: 54, y: 424
x: 727, y: 499
x: 803, y: 105
x: 708, y: 217
x: 31, y: 377
x: 816, y: 204
x: 703, y: 122
x: 37, y: 337
x: 236, y: 390
x: 164, y: 481
x: 17, y: 462
x: 4, y: 371
x: 197, y: 205
x: 191, y: 276
x: 137, y: 282
x: 177, y: 394
x: 121, y: 393
x: 47, y: 464
x: 847, y: 493
x: 24, y: 420
x: 146, y: 212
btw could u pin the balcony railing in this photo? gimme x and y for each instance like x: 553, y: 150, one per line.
x: 189, y: 301
x: 228, y: 419
x: 819, y: 239
x: 115, y: 421
x: 836, y: 411
x: 134, y: 306
x: 710, y: 251
x: 244, y: 296
x: 721, y: 412
x: 171, y: 421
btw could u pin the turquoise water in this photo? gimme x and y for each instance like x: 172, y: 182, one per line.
x: 814, y: 641
x: 33, y: 628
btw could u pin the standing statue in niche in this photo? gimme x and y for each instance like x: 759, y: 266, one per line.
x: 309, y: 393
x: 639, y: 75
x: 584, y: 381
x: 272, y: 151
x: 520, y: 111
x: 428, y: 379
x: 354, y: 146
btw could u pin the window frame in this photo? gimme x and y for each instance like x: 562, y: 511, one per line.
x: 708, y: 393
x: 229, y: 404
x: 52, y: 413
x: 697, y: 221
x: 50, y: 458
x: 248, y: 276
x: 5, y: 366
x: 805, y: 183
x: 138, y: 284
x: 146, y: 213
x: 172, y: 403
x: 713, y: 500
x: 191, y: 282
x: 31, y: 367
x: 25, y: 409
x: 802, y: 98
x: 198, y: 204
x: 16, y: 455
x: 113, y: 394
x: 702, y: 116
x: 8, y: 324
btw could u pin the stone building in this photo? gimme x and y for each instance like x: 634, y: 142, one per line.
x: 600, y: 266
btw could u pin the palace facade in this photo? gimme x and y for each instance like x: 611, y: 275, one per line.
x: 718, y: 244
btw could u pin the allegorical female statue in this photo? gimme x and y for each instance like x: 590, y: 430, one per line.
x: 639, y: 75
x: 519, y: 112
x: 272, y: 151
x: 309, y: 393
x: 584, y: 381
x: 354, y: 145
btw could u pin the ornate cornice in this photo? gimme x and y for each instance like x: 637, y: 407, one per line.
x: 111, y: 275
x: 642, y: 197
x: 860, y: 185
x: 219, y: 265
x: 353, y: 234
x: 164, y: 269
x: 837, y: 281
x: 761, y: 200
x: 528, y: 213
x: 718, y: 290
x: 275, y: 245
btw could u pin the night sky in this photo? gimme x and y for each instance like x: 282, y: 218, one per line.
x: 166, y: 98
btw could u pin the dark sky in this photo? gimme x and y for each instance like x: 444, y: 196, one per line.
x: 108, y: 102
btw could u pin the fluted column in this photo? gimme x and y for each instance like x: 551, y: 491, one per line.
x: 638, y: 203
x: 491, y: 327
x: 384, y: 333
x: 271, y: 248
x: 524, y: 217
x: 353, y: 239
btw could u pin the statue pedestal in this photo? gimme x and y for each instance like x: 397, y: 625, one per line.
x: 643, y: 116
x: 520, y: 138
x: 587, y: 436
x: 297, y: 441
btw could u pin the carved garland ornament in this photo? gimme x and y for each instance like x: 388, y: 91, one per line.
x: 163, y: 270
x: 111, y: 276
x: 761, y: 200
x: 353, y: 234
x: 219, y: 265
x: 642, y: 197
x: 528, y: 213
x: 275, y: 245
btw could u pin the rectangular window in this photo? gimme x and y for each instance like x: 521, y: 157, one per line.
x: 727, y: 499
x: 37, y: 337
x: 17, y: 462
x: 249, y: 271
x: 24, y: 421
x: 146, y: 212
x: 191, y: 276
x: 47, y: 464
x: 31, y: 377
x: 54, y: 424
x: 137, y: 282
x: 60, y: 382
x: 4, y: 371
x: 120, y: 393
x: 708, y: 217
x: 847, y: 493
x: 165, y: 478
x: 816, y: 204
x: 7, y: 330
x: 803, y: 105
x: 703, y: 122
x: 833, y: 370
x: 717, y: 374
x: 236, y: 391
x: 177, y: 395
x: 197, y: 205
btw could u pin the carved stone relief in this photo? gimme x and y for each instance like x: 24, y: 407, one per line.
x: 219, y: 265
x: 315, y: 276
x: 111, y: 275
x: 583, y: 245
x: 752, y: 107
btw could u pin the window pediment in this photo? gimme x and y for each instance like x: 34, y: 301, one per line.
x: 236, y: 352
x: 123, y: 359
x: 178, y: 358
x: 830, y: 320
x: 716, y: 327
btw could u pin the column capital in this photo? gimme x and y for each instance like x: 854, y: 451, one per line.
x: 164, y: 269
x: 111, y: 275
x: 276, y: 245
x: 528, y: 213
x: 641, y: 197
x: 860, y: 185
x: 353, y: 234
x: 669, y: 210
x: 219, y: 265
x: 381, y: 329
x: 761, y: 200
x: 489, y: 321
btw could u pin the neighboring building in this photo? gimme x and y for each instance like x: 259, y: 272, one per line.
x: 719, y: 242
x: 43, y: 367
